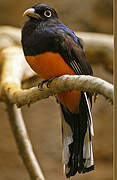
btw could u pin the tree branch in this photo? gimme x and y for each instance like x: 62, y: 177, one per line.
x: 63, y: 83
x: 99, y: 48
x: 23, y: 142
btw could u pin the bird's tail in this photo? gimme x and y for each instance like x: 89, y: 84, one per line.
x: 77, y: 154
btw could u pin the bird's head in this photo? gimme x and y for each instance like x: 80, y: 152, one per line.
x: 41, y: 12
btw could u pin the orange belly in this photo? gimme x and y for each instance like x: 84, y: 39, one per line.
x: 49, y: 65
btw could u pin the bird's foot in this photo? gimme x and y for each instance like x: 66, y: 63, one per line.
x: 45, y: 82
x: 41, y: 84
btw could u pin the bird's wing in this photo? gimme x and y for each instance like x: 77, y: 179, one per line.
x: 73, y: 52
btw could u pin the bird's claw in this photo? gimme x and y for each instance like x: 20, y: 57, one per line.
x: 41, y: 84
x: 47, y: 82
x: 95, y: 97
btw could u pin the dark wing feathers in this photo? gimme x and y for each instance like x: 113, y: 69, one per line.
x: 73, y: 54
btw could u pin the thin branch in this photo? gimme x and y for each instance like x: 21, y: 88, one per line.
x: 23, y: 142
x: 99, y: 48
x: 98, y: 41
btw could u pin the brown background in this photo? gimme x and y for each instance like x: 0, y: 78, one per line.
x: 42, y: 119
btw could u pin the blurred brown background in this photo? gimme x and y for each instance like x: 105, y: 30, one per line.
x: 42, y: 119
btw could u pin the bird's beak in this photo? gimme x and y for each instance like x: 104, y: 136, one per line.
x: 31, y: 13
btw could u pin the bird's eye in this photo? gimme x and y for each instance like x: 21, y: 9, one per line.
x: 47, y: 13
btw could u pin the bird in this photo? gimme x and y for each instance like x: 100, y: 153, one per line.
x: 52, y: 50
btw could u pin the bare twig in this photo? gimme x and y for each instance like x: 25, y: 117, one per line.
x: 23, y: 142
x: 63, y: 83
x: 99, y: 48
x: 98, y: 41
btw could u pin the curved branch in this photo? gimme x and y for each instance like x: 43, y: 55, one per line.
x: 23, y: 142
x: 99, y: 48
x: 98, y: 41
x: 63, y: 83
